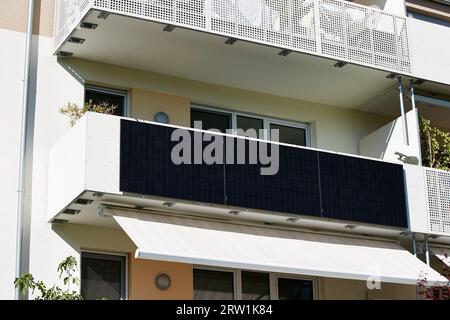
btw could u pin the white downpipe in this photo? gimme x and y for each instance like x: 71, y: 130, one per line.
x: 23, y: 143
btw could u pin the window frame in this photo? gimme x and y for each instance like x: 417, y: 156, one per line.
x: 273, y: 280
x: 267, y: 121
x: 113, y: 256
x: 233, y: 271
x: 219, y: 112
x: 122, y: 93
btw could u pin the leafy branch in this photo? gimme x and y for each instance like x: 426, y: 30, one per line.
x: 66, y: 269
x: 74, y: 112
x: 435, y: 145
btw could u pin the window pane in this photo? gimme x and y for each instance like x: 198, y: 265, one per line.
x: 246, y: 123
x: 290, y: 135
x: 294, y: 289
x: 101, y: 278
x: 213, y: 285
x: 255, y: 286
x: 112, y: 99
x: 211, y: 120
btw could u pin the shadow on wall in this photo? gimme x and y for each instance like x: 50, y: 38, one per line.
x: 387, y: 142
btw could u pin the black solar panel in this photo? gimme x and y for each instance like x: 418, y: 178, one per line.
x: 308, y: 182
x: 295, y: 189
x: 362, y: 190
x: 147, y: 168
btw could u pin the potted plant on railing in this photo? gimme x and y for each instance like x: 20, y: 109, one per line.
x: 74, y: 112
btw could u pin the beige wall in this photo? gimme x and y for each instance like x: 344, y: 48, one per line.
x: 142, y: 280
x: 341, y: 289
x: 145, y: 104
x: 333, y: 128
x: 13, y: 16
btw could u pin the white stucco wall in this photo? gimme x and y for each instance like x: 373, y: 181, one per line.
x: 11, y: 76
x: 430, y: 49
x: 384, y: 142
x: 55, y: 87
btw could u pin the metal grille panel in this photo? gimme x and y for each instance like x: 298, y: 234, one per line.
x: 438, y: 195
x: 331, y: 28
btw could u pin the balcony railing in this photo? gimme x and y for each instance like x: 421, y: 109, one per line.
x: 438, y: 200
x: 330, y: 28
x: 123, y: 157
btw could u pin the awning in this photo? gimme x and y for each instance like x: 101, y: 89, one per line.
x: 220, y: 244
x: 442, y: 254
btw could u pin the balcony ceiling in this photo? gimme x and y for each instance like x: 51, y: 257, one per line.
x: 143, y: 45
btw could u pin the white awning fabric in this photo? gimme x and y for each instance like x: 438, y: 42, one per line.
x: 442, y: 254
x: 211, y: 243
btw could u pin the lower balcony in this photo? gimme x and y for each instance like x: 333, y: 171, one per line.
x: 430, y: 189
x: 116, y: 161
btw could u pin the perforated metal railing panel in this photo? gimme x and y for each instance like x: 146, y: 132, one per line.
x: 68, y: 14
x: 331, y: 28
x: 438, y: 195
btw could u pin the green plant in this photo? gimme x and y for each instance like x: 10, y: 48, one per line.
x: 74, y: 112
x: 435, y: 145
x: 66, y: 269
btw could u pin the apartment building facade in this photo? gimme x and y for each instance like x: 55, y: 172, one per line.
x: 351, y: 212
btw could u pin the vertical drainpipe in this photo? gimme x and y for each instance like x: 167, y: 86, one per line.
x: 414, y: 244
x: 427, y: 251
x: 23, y: 144
x: 402, y: 110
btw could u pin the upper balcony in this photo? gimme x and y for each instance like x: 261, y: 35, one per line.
x: 334, y: 29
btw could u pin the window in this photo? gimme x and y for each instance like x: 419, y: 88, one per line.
x: 289, y: 132
x: 295, y: 289
x: 211, y: 120
x: 103, y: 276
x: 112, y: 97
x: 255, y: 286
x: 226, y: 284
x: 245, y: 123
x: 213, y: 285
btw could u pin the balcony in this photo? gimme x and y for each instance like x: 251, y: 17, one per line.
x: 333, y: 29
x: 116, y: 161
x: 429, y: 190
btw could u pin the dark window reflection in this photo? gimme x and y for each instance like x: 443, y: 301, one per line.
x: 213, y: 285
x: 294, y: 289
x: 211, y: 120
x: 102, y: 277
x: 255, y: 286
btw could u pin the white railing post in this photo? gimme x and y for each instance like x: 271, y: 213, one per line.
x: 208, y: 14
x: 317, y: 6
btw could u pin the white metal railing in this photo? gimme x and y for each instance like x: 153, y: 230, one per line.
x: 438, y: 200
x: 332, y: 28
